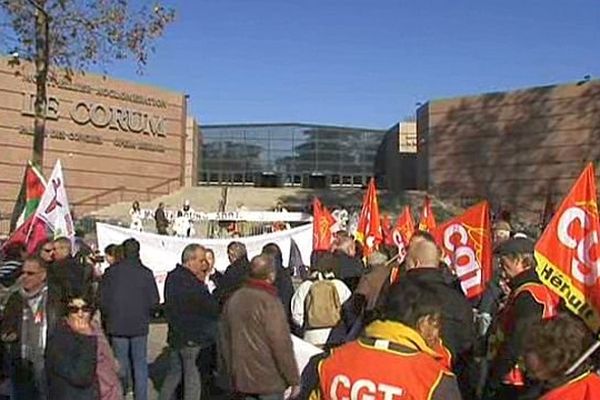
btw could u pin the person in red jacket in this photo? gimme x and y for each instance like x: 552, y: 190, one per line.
x: 393, y: 359
x: 551, y: 348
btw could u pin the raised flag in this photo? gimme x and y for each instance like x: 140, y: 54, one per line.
x: 568, y: 252
x: 323, y: 223
x: 32, y: 189
x: 427, y: 219
x: 369, y: 232
x: 53, y: 211
x: 466, y: 243
x: 402, y: 232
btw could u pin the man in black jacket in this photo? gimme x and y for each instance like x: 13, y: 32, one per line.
x: 236, y: 273
x: 192, y: 314
x: 66, y: 272
x: 162, y: 223
x: 349, y: 268
x: 128, y: 297
x: 458, y: 331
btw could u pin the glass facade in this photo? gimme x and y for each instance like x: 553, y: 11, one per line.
x: 287, y: 154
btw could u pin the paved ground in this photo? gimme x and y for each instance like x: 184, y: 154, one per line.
x: 157, y: 360
x: 157, y: 342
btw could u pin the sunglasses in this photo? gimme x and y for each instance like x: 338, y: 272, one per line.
x: 32, y: 273
x: 76, y: 309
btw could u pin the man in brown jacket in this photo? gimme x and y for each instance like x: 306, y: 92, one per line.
x: 255, y: 342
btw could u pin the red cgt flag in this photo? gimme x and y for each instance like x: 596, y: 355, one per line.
x: 369, y: 231
x: 323, y: 221
x: 403, y: 231
x: 466, y: 242
x: 427, y: 219
x: 568, y: 252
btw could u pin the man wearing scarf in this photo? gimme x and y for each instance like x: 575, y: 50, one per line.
x: 29, y: 319
x: 255, y: 344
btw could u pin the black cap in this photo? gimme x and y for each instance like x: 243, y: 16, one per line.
x: 515, y: 246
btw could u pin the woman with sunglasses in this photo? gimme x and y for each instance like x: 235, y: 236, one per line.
x: 79, y: 361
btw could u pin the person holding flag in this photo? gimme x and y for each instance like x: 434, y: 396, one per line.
x: 529, y: 300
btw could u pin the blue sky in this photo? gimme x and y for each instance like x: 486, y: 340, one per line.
x: 363, y: 63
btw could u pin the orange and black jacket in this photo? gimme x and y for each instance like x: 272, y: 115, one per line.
x: 529, y: 301
x: 583, y: 386
x: 390, y: 361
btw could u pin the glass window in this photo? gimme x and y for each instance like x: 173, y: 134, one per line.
x: 289, y: 150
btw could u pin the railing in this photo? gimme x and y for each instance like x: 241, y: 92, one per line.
x: 4, y: 223
x: 150, y: 191
x: 97, y: 196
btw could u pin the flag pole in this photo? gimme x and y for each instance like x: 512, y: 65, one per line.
x: 583, y: 357
x: 391, y: 260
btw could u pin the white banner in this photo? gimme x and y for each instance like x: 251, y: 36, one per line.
x: 161, y: 253
x: 253, y: 216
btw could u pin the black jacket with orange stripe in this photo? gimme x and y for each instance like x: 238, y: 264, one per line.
x: 523, y: 307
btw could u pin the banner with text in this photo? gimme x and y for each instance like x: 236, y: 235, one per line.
x: 162, y: 253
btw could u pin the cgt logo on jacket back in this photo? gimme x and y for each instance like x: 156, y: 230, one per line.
x: 342, y: 388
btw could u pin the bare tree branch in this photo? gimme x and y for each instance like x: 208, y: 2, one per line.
x: 75, y: 34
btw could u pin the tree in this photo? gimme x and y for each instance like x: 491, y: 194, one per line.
x: 73, y: 35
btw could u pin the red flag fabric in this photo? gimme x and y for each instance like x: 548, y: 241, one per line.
x: 568, y: 252
x: 31, y: 192
x: 466, y: 242
x: 369, y: 232
x: 427, y: 219
x: 402, y: 233
x: 32, y: 233
x: 323, y: 221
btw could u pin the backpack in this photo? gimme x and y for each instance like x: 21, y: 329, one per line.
x: 322, y: 308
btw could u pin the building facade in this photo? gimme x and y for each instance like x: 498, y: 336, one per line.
x: 118, y: 141
x: 396, y: 161
x: 516, y: 149
x: 287, y: 155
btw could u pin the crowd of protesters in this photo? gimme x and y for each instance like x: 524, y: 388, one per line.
x: 387, y: 330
